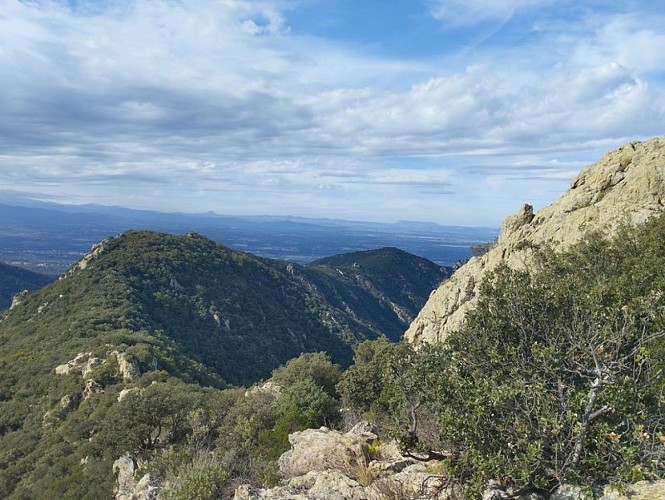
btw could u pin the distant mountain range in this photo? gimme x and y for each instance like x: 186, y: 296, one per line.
x: 48, y: 237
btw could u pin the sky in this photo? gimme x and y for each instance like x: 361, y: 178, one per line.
x: 449, y: 111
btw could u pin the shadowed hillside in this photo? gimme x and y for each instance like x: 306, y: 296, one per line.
x: 15, y: 279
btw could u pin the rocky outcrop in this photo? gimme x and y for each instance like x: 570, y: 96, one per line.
x: 18, y: 299
x: 127, y: 487
x: 323, y: 449
x: 127, y: 369
x: 94, y: 252
x: 642, y: 490
x: 625, y: 186
x: 327, y: 464
x: 82, y: 364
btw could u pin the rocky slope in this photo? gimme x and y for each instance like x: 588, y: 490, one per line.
x: 626, y: 186
x: 327, y: 464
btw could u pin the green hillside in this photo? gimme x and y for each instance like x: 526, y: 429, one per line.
x: 384, y: 288
x: 167, y: 316
x: 15, y: 279
x: 557, y: 377
x: 234, y: 315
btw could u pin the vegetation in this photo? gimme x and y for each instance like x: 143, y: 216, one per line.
x: 482, y: 248
x: 15, y: 279
x: 191, y: 317
x: 558, y: 375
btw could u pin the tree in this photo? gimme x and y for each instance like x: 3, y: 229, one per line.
x: 558, y: 374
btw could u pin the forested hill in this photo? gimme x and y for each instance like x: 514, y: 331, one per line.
x: 390, y: 279
x: 15, y: 279
x: 180, y: 312
x: 213, y: 314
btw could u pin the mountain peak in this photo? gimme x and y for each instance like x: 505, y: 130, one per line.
x: 627, y: 185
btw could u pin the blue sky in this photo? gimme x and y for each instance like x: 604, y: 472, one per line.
x: 449, y: 111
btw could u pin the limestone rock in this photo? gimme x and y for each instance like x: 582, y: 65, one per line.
x: 91, y: 388
x: 365, y: 429
x: 127, y: 488
x: 270, y: 388
x: 642, y: 490
x: 94, y: 252
x: 330, y: 465
x: 570, y: 492
x: 127, y: 391
x: 125, y: 468
x: 320, y: 450
x: 69, y: 402
x: 129, y: 370
x: 626, y: 185
x: 82, y: 365
x: 18, y: 298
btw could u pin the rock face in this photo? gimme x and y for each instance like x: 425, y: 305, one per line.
x: 626, y: 185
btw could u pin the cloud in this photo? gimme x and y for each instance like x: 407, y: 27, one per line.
x: 476, y: 11
x: 204, y: 97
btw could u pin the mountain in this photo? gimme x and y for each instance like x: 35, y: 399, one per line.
x: 233, y: 315
x: 164, y: 320
x: 50, y: 237
x: 626, y: 186
x: 15, y: 279
x: 396, y: 285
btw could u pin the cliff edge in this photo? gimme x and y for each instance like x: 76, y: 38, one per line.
x: 626, y: 185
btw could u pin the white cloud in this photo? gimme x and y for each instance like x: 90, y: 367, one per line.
x: 220, y: 96
x: 632, y: 41
x: 474, y: 11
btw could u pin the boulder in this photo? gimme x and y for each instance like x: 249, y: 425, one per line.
x: 127, y: 488
x: 321, y: 450
x: 128, y: 370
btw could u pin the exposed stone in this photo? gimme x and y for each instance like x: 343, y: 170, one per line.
x: 125, y: 468
x: 330, y: 484
x: 127, y: 487
x: 94, y: 252
x: 146, y: 489
x: 570, y: 492
x: 625, y: 186
x: 18, y: 299
x: 129, y: 370
x: 69, y: 401
x: 365, y: 429
x: 125, y: 392
x: 325, y: 464
x: 82, y: 364
x: 642, y: 490
x: 269, y: 387
x: 91, y: 388
x: 320, y: 450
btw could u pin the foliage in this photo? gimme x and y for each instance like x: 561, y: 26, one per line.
x: 15, y: 279
x: 558, y: 374
x: 391, y: 384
